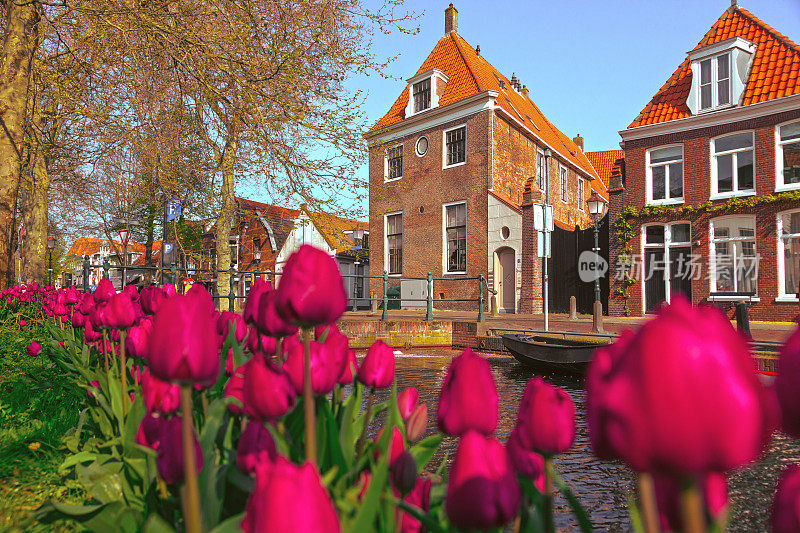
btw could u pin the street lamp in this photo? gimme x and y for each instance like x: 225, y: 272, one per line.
x: 597, y: 207
x: 51, y: 243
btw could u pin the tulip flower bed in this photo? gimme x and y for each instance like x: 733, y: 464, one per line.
x: 195, y: 420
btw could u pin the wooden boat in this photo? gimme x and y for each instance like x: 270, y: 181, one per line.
x: 549, y: 354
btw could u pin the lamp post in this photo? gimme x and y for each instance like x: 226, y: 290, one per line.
x: 51, y: 243
x: 597, y: 206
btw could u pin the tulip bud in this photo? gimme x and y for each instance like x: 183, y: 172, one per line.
x: 525, y: 462
x: 288, y: 497
x: 170, y: 451
x: 235, y: 389
x: 138, y: 340
x: 377, y: 368
x: 159, y: 396
x: 785, y: 514
x: 546, y: 418
x: 482, y: 490
x: 104, y: 291
x: 404, y: 473
x: 149, y: 432
x: 22, y: 322
x: 267, y: 390
x: 407, y: 401
x: 228, y: 319
x: 33, y: 349
x: 259, y: 288
x: 90, y: 392
x: 269, y: 345
x: 363, y: 482
x: 468, y: 399
x: 311, y: 290
x: 152, y: 298
x: 256, y: 445
x: 417, y: 423
x: 268, y: 320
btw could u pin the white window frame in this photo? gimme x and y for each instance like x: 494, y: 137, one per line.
x: 431, y: 89
x: 780, y: 181
x: 564, y: 182
x: 581, y: 194
x: 666, y: 246
x: 445, y: 272
x: 386, y: 163
x: 649, y: 177
x: 444, y: 146
x: 715, y: 82
x: 712, y: 258
x: 736, y: 192
x: 783, y: 296
x: 386, y: 242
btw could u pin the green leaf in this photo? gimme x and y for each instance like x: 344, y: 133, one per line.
x: 636, y: 517
x: 230, y: 525
x: 115, y: 516
x: 430, y: 523
x: 425, y: 449
x: 348, y: 433
x: 156, y: 524
x: 365, y: 518
x: 332, y: 454
x: 583, y: 519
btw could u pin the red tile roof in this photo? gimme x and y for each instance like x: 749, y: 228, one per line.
x: 470, y: 73
x: 604, y: 162
x: 90, y: 245
x: 774, y: 73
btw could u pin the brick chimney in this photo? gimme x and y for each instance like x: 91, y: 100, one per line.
x: 579, y: 141
x: 525, y: 91
x: 450, y: 20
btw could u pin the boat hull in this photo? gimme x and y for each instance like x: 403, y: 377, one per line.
x: 551, y: 355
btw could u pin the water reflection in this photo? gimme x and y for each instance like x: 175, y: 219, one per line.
x: 602, y: 487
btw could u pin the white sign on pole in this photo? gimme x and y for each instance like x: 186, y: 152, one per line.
x: 543, y: 243
x: 548, y: 220
x: 538, y: 217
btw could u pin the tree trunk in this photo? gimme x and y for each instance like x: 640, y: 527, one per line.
x: 33, y: 205
x: 225, y: 221
x: 19, y: 45
x: 148, y: 245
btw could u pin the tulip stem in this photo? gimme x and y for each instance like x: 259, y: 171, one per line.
x: 548, y: 495
x: 308, y: 400
x: 191, y: 493
x: 105, y: 355
x: 362, y: 438
x: 123, y: 371
x: 694, y: 520
x: 647, y: 499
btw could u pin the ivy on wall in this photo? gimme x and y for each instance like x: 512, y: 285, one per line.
x: 624, y: 231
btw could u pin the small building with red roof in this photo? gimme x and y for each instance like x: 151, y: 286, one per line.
x: 708, y: 206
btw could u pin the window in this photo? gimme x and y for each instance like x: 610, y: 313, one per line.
x: 256, y: 243
x: 734, y: 263
x: 540, y: 170
x: 732, y: 164
x: 394, y: 163
x: 422, y: 95
x: 715, y: 82
x: 665, y: 175
x: 581, y: 198
x: 422, y: 146
x: 358, y: 282
x: 788, y: 253
x: 456, y: 235
x: 455, y: 146
x: 394, y: 242
x: 563, y: 184
x: 234, y: 245
x: 788, y: 154
x: 669, y: 266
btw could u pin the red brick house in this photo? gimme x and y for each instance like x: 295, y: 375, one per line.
x: 709, y: 205
x: 448, y: 168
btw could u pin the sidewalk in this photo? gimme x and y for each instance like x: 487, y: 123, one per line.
x: 761, y: 331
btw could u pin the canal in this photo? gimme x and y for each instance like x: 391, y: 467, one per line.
x: 602, y: 487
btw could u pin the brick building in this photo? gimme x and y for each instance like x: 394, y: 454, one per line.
x: 449, y: 167
x: 711, y: 188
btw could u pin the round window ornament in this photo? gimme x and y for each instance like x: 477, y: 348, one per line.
x: 422, y: 146
x: 505, y: 232
x: 422, y: 209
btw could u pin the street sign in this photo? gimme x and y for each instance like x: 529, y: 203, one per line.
x: 543, y: 244
x: 542, y: 217
x: 123, y: 236
x: 172, y: 208
x: 548, y: 219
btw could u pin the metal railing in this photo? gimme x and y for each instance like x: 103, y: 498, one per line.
x: 234, y: 276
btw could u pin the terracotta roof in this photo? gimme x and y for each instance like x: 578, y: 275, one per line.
x: 775, y: 70
x: 604, y: 162
x: 469, y: 74
x: 91, y: 245
x: 333, y: 229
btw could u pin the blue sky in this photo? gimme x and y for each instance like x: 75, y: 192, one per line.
x: 590, y: 65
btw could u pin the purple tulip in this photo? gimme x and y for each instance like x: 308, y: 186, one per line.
x: 269, y: 345
x: 407, y: 401
x: 138, y: 341
x: 268, y: 393
x: 256, y: 446
x: 786, y: 385
x: 680, y: 395
x: 228, y: 318
x: 250, y: 310
x: 151, y: 299
x: 201, y: 296
x: 482, y: 490
x: 785, y: 514
x: 350, y: 369
x: 288, y: 497
x: 184, y: 345
x: 311, y: 290
x: 420, y: 498
x: 78, y: 319
x: 713, y: 486
x: 170, y: 451
x: 104, y: 291
x: 149, y: 433
x: 326, y: 367
x: 546, y: 418
x: 120, y: 312
x: 404, y: 473
x: 268, y: 320
x: 468, y: 399
x: 526, y: 463
x: 235, y: 389
x: 377, y: 368
x: 33, y: 349
x: 89, y: 333
x: 159, y: 396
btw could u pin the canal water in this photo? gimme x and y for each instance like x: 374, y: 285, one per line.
x: 602, y: 487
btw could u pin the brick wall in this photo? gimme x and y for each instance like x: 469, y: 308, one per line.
x: 697, y: 189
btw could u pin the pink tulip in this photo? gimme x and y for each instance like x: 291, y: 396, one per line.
x: 417, y: 423
x: 420, y: 498
x: 170, y: 451
x: 407, y: 401
x: 78, y: 319
x: 235, y: 389
x: 326, y: 367
x: 785, y: 513
x: 159, y: 396
x: 33, y: 349
x: 104, y: 291
x: 786, y: 385
x: 151, y: 299
x: 350, y: 369
x: 184, y: 344
x: 89, y: 334
x: 482, y: 490
x: 22, y: 322
x: 228, y: 319
x: 289, y: 498
x: 546, y: 418
x: 269, y: 345
x: 377, y: 368
x: 468, y: 399
x: 680, y: 395
x: 93, y: 385
x: 149, y: 432
x: 268, y: 320
x: 251, y: 303
x: 267, y: 390
x: 256, y: 446
x: 714, y: 488
x: 138, y: 341
x: 169, y: 289
x: 201, y: 296
x: 311, y: 290
x: 527, y: 463
x: 120, y: 312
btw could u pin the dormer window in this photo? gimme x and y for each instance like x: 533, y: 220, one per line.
x: 422, y: 95
x: 715, y: 82
x: 719, y: 74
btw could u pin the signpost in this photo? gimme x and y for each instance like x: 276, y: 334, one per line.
x: 124, y: 235
x: 543, y: 224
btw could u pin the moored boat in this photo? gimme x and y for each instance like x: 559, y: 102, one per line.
x: 550, y: 354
